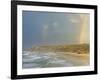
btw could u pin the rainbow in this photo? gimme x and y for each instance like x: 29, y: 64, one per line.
x: 84, y: 25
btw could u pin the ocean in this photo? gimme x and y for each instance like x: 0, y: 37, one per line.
x: 51, y: 59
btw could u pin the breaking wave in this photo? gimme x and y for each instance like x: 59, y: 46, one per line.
x: 42, y: 60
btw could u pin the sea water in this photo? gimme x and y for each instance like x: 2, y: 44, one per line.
x: 43, y: 60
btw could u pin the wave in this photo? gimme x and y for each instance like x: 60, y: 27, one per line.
x: 42, y: 59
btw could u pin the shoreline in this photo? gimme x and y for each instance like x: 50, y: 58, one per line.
x: 74, y: 58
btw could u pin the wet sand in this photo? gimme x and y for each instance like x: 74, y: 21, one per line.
x: 76, y: 59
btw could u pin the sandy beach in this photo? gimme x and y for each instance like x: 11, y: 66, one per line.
x: 76, y: 59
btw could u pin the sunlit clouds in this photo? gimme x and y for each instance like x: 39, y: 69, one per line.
x: 73, y: 20
x: 55, y: 24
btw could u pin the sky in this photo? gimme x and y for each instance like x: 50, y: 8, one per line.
x: 54, y: 28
